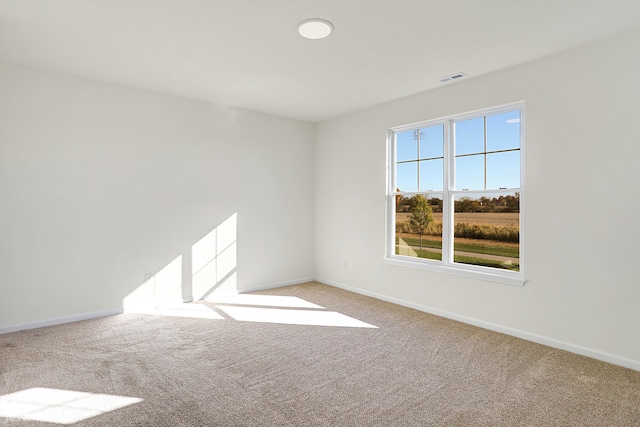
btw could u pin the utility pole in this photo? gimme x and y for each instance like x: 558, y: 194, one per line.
x: 417, y: 135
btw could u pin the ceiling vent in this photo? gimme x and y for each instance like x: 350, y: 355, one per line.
x: 452, y: 77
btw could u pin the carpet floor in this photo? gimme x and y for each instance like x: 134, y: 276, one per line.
x: 302, y: 355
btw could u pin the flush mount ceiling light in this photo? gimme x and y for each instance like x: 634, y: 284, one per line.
x: 315, y: 28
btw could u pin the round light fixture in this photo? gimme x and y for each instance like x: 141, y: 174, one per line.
x: 315, y: 28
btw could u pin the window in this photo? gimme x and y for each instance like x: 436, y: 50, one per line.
x: 455, y: 194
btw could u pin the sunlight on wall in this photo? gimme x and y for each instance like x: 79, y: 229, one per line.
x: 226, y: 286
x: 214, y: 260
x: 59, y: 406
x: 165, y: 285
x: 203, y: 266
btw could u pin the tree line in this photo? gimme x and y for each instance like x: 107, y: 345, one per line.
x: 501, y: 203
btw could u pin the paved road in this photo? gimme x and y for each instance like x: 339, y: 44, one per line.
x: 503, y: 259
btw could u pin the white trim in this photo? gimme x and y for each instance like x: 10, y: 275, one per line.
x: 60, y: 320
x: 523, y: 198
x: 493, y: 190
x: 276, y: 285
x: 528, y: 336
x: 390, y: 199
x: 475, y: 272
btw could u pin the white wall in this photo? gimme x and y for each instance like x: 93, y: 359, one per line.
x: 581, y: 213
x: 100, y: 184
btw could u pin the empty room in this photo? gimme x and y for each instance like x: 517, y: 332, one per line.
x: 319, y: 213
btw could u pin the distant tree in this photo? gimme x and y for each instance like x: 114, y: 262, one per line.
x: 467, y: 204
x: 436, y: 204
x: 399, y: 200
x: 513, y: 203
x: 403, y: 204
x: 421, y: 216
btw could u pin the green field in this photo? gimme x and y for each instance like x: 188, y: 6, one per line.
x: 477, y: 248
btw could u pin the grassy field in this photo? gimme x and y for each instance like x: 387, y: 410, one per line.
x: 498, y: 219
x: 466, y: 245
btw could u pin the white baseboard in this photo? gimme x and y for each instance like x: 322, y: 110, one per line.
x: 276, y: 285
x: 59, y: 321
x: 551, y: 342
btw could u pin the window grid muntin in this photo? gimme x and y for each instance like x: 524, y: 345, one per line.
x: 417, y: 135
x: 485, y: 152
x: 421, y: 159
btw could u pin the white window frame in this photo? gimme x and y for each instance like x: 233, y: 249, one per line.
x: 447, y: 265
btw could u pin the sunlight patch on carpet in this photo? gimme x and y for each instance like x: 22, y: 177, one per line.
x: 263, y: 300
x: 293, y: 317
x: 60, y: 406
x: 196, y: 311
x: 283, y: 309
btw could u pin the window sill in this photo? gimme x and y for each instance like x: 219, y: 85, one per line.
x: 507, y: 277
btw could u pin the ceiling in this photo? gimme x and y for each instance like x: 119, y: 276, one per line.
x: 247, y: 53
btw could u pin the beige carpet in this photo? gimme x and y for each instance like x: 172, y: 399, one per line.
x: 269, y: 361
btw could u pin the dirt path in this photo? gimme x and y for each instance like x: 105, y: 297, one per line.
x: 482, y: 242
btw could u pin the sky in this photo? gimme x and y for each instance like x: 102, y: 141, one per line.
x: 420, y: 165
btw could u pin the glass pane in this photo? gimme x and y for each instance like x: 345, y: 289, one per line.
x: 419, y: 226
x: 487, y: 230
x: 406, y: 146
x: 432, y: 142
x: 503, y: 170
x: 407, y: 176
x: 470, y: 172
x: 503, y: 131
x: 431, y: 175
x: 469, y: 136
